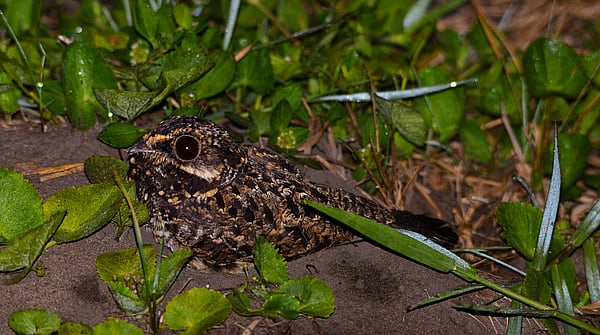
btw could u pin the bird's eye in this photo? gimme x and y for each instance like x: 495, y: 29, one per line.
x: 187, y: 147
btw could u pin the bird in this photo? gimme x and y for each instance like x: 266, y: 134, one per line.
x: 209, y: 193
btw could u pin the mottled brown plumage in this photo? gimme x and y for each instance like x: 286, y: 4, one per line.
x: 209, y: 193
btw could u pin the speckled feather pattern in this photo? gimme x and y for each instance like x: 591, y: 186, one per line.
x: 214, y: 195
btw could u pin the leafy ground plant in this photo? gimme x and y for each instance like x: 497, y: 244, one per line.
x: 551, y: 274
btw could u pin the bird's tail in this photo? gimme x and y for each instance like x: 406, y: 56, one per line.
x: 439, y: 231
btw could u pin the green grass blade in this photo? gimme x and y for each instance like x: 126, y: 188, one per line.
x: 408, y: 244
x: 540, y: 256
x: 592, y: 272
x: 588, y: 226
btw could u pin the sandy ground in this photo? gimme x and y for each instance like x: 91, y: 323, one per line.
x: 372, y: 287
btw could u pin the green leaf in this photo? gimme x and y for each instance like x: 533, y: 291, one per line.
x: 411, y: 245
x: 102, y: 169
x: 574, y: 150
x: 116, y: 327
x: 9, y: 95
x: 170, y: 267
x: 240, y: 302
x: 315, y: 297
x: 120, y: 135
x: 23, y: 15
x: 551, y: 67
x: 255, y: 71
x: 269, y: 263
x: 281, y: 116
x: 20, y: 254
x: 535, y: 286
x: 127, y: 300
x: 591, y: 64
x: 74, y: 328
x: 401, y: 115
x: 34, y: 321
x: 588, y: 226
x: 475, y: 142
x: 20, y: 205
x: 446, y: 109
x: 84, y: 69
x: 292, y: 93
x: 183, y: 16
x: 145, y: 20
x: 592, y: 269
x: 88, y: 208
x: 196, y: 311
x: 280, y: 304
x: 126, y: 104
x: 520, y: 224
x: 214, y: 81
x: 120, y: 264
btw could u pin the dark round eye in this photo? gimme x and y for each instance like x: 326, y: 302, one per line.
x: 187, y: 147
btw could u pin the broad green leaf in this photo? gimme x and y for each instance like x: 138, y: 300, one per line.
x: 520, y: 224
x: 269, y: 263
x: 255, y: 71
x: 126, y: 104
x: 88, y: 208
x: 116, y: 327
x: 120, y: 135
x: 591, y: 64
x: 20, y: 205
x: 291, y: 93
x: 475, y: 142
x: 240, y: 302
x: 23, y: 15
x: 102, y: 169
x: 497, y: 94
x: 145, y: 20
x: 170, y: 267
x: 127, y: 300
x: 54, y: 97
x: 183, y: 16
x: 213, y: 82
x: 281, y: 116
x: 411, y: 245
x: 315, y: 297
x: 9, y: 95
x: 551, y: 67
x: 74, y: 328
x: 574, y: 150
x: 293, y: 13
x: 84, y: 69
x: 120, y: 264
x: 34, y: 321
x: 196, y: 311
x: 401, y: 115
x: 280, y: 304
x: 444, y: 110
x: 536, y: 286
x: 179, y: 68
x: 21, y: 253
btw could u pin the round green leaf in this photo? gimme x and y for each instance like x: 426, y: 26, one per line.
x: 116, y: 327
x: 214, y: 81
x: 20, y: 205
x: 551, y: 67
x: 255, y: 71
x: 574, y: 150
x: 34, y: 321
x: 9, y: 94
x: 196, y: 310
x: 101, y: 169
x: 475, y: 142
x: 74, y: 328
x: 120, y: 135
x: 445, y: 110
x: 89, y: 208
x: 315, y: 297
x: 520, y: 224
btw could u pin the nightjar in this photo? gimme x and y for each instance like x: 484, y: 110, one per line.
x: 214, y: 195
